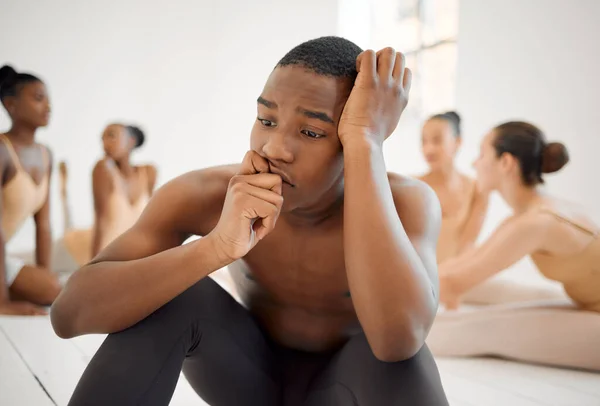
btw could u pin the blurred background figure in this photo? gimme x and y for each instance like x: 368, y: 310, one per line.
x: 121, y: 191
x: 463, y: 206
x: 25, y: 168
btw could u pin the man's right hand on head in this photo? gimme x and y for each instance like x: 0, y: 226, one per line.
x: 21, y: 309
x: 252, y: 206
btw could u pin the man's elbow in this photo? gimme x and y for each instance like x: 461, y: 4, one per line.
x: 62, y: 323
x: 396, y: 346
x: 70, y: 324
x: 66, y: 314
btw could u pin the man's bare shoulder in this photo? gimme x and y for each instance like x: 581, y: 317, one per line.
x: 415, y: 200
x: 200, y: 180
x: 192, y: 202
x: 402, y: 184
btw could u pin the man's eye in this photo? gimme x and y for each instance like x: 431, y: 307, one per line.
x: 266, y: 123
x: 311, y: 134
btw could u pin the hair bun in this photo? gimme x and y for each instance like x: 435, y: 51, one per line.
x: 554, y: 157
x: 7, y: 73
x: 137, y: 134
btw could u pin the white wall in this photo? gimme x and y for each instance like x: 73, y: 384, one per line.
x: 355, y: 21
x: 187, y: 71
x: 535, y: 60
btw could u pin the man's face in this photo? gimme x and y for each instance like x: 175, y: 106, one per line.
x: 296, y: 131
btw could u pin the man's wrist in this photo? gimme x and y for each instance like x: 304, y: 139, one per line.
x: 214, y: 250
x: 361, y: 142
x: 362, y: 152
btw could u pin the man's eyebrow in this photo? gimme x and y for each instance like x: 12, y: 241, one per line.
x: 266, y: 103
x: 316, y: 114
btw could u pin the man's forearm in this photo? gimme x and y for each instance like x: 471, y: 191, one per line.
x: 110, y: 296
x: 391, y: 291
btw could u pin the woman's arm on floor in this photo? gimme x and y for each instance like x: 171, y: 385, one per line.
x: 514, y: 239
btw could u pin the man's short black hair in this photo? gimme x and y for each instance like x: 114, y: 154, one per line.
x: 329, y: 56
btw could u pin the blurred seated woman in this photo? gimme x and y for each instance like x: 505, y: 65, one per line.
x: 563, y: 243
x: 25, y: 168
x: 121, y: 191
x: 463, y: 206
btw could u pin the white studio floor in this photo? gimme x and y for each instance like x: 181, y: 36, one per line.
x: 38, y: 368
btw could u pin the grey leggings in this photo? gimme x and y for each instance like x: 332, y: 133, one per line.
x: 229, y: 361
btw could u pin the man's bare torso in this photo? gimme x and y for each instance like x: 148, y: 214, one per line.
x: 294, y: 281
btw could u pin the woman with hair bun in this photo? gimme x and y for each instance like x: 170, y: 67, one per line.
x: 25, y: 168
x: 121, y: 191
x: 561, y: 240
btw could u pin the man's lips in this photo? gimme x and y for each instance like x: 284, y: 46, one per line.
x: 284, y: 177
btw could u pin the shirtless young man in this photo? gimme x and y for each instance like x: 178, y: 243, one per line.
x: 333, y: 257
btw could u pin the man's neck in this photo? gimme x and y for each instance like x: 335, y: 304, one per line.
x: 22, y: 134
x: 331, y: 208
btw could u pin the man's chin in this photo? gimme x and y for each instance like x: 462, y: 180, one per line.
x: 287, y: 205
x: 290, y: 202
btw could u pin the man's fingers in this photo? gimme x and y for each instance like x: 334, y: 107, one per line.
x: 366, y: 63
x: 266, y: 195
x: 407, y: 80
x: 253, y: 163
x: 399, y: 65
x: 263, y: 213
x: 264, y: 226
x: 268, y: 181
x: 386, y: 59
x: 259, y: 208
